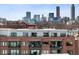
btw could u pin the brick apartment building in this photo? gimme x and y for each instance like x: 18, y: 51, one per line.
x: 28, y: 40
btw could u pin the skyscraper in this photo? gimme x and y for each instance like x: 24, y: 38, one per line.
x: 51, y: 16
x: 28, y: 15
x: 37, y: 18
x: 57, y: 11
x: 27, y: 18
x: 72, y: 12
x: 43, y: 18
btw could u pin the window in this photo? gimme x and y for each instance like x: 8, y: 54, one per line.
x: 45, y: 51
x: 4, y: 52
x: 46, y: 35
x: 45, y: 43
x: 69, y: 51
x: 56, y: 44
x: 25, y: 34
x: 52, y: 34
x: 53, y: 44
x: 14, y: 44
x: 34, y: 34
x: 3, y: 35
x: 35, y: 44
x: 59, y: 51
x: 13, y: 34
x: 55, y: 34
x: 59, y: 43
x: 25, y: 43
x: 6, y: 44
x: 62, y: 34
x: 14, y: 52
x: 35, y: 52
x: 24, y: 52
x: 3, y: 43
x: 56, y: 51
x: 68, y: 43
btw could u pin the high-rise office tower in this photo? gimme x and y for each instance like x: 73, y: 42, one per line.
x: 72, y: 12
x: 77, y: 18
x: 57, y: 11
x: 27, y: 18
x: 37, y: 18
x: 43, y: 18
x: 51, y: 16
x: 28, y: 15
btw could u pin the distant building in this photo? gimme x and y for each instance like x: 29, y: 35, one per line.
x: 77, y: 18
x: 43, y: 18
x: 72, y: 12
x: 51, y: 16
x: 65, y: 19
x: 36, y: 18
x: 57, y: 11
x: 56, y: 20
x: 3, y: 20
x: 27, y: 18
x: 24, y: 19
x: 28, y: 15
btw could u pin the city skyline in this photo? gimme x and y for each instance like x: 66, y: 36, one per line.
x: 17, y: 11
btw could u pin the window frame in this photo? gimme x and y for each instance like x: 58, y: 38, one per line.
x: 13, y: 34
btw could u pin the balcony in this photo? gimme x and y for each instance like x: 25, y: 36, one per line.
x: 55, y: 47
x: 35, y: 44
x: 14, y: 44
x: 35, y: 35
x: 35, y: 52
x: 3, y: 35
x: 56, y: 51
x: 14, y: 52
x: 11, y: 46
x: 56, y: 44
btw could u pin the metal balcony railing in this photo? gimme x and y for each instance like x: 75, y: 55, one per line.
x: 56, y: 47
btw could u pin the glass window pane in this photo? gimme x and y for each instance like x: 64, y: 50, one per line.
x: 62, y: 34
x: 25, y: 34
x: 34, y: 34
x: 46, y: 35
x: 13, y: 34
